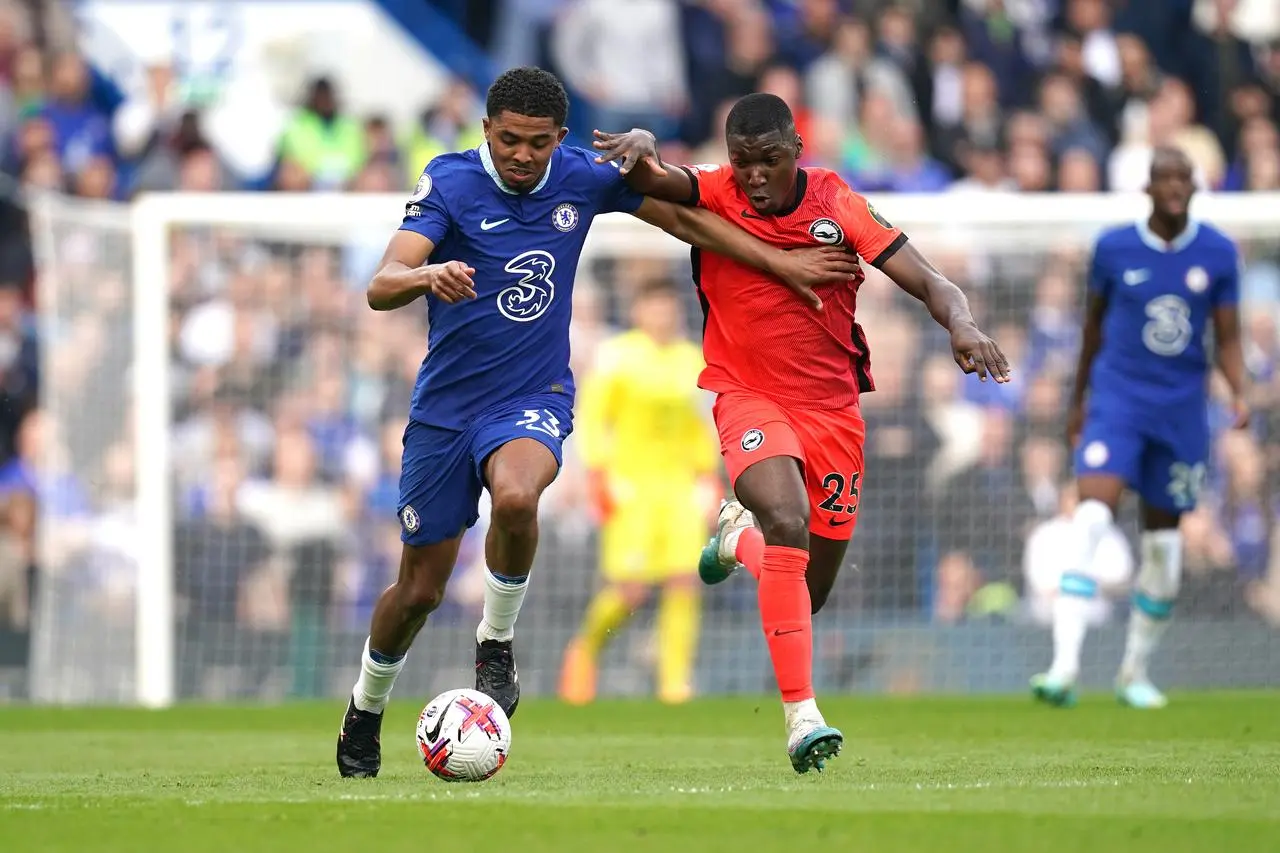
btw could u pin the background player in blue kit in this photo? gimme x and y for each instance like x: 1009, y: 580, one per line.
x: 1154, y: 287
x: 500, y: 230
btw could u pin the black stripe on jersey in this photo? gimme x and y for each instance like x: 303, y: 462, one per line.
x: 695, y: 267
x: 862, y: 364
x: 889, y: 251
x: 696, y: 196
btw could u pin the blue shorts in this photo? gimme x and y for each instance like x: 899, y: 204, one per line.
x: 442, y: 470
x: 1160, y: 453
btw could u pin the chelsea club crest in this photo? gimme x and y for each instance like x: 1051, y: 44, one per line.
x: 565, y: 217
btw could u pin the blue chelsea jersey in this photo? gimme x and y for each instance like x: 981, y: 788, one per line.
x: 512, y: 340
x: 1160, y: 302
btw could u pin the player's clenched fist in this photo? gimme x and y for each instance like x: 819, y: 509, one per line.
x: 451, y: 281
x: 977, y: 353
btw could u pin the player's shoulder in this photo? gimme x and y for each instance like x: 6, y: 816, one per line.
x: 455, y: 163
x: 712, y: 175
x: 573, y: 157
x: 826, y: 178
x: 1118, y: 238
x: 571, y: 164
x: 1211, y: 238
x: 445, y: 170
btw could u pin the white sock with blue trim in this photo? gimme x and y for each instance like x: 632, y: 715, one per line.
x: 1077, y: 591
x: 503, y: 598
x: 1157, y: 586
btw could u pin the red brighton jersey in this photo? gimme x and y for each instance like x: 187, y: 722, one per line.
x: 760, y: 336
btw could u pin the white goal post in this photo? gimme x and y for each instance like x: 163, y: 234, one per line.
x: 964, y: 229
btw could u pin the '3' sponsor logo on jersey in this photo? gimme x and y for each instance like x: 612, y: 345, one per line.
x: 530, y: 297
x: 1168, y: 330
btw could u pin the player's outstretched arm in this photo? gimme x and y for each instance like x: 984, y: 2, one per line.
x: 800, y: 269
x: 971, y: 348
x: 642, y: 167
x: 1230, y: 358
x: 401, y: 277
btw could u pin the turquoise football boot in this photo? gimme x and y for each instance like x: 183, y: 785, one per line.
x: 811, y: 750
x: 714, y: 564
x: 1141, y: 694
x: 1051, y: 691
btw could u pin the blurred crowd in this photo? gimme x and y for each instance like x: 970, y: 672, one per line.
x: 290, y: 395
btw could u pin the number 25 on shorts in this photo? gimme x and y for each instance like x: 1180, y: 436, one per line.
x: 842, y: 493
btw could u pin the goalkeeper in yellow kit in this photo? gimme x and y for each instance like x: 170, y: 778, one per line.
x: 652, y: 459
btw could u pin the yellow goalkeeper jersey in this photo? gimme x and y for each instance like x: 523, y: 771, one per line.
x: 642, y: 418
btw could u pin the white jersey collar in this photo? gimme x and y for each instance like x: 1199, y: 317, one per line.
x: 1177, y: 244
x: 486, y: 159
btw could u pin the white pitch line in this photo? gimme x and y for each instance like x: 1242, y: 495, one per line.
x: 487, y: 793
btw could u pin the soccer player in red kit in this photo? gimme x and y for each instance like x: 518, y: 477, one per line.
x: 787, y: 372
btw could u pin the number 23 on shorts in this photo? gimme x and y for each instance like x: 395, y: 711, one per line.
x: 540, y: 420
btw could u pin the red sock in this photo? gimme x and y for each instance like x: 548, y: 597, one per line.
x: 750, y: 550
x: 788, y: 624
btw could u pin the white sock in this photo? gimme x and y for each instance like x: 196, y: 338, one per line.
x: 805, y: 709
x: 1070, y: 624
x: 1077, y: 590
x: 373, y: 687
x: 502, y: 601
x: 1157, y: 586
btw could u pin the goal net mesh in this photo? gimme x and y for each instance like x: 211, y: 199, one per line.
x: 289, y: 398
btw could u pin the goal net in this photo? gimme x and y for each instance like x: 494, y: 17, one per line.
x: 220, y: 436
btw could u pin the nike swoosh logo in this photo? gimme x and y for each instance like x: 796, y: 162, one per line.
x: 779, y: 633
x: 486, y: 225
x: 746, y: 214
x: 841, y: 523
x: 433, y: 735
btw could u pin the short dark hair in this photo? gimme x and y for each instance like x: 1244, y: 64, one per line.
x: 1164, y: 154
x: 528, y: 91
x: 758, y: 114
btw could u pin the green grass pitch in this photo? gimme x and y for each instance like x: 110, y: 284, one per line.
x: 946, y: 775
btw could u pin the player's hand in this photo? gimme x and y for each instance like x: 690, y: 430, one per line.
x: 977, y: 353
x: 632, y: 147
x: 1240, y: 411
x: 450, y: 282
x: 1075, y: 424
x: 804, y: 269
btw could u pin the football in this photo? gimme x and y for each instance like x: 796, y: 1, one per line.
x: 463, y: 736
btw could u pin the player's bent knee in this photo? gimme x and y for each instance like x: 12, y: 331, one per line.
x: 515, y: 507
x: 424, y: 574
x: 421, y: 598
x: 787, y: 527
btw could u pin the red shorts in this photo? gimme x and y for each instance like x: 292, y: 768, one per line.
x: 828, y: 443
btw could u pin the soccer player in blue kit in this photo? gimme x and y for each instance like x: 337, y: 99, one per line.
x: 492, y: 237
x: 1154, y: 287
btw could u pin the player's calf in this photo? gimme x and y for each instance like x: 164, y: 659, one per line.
x: 399, y: 615
x: 825, y: 558
x: 1155, y: 590
x: 517, y: 473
